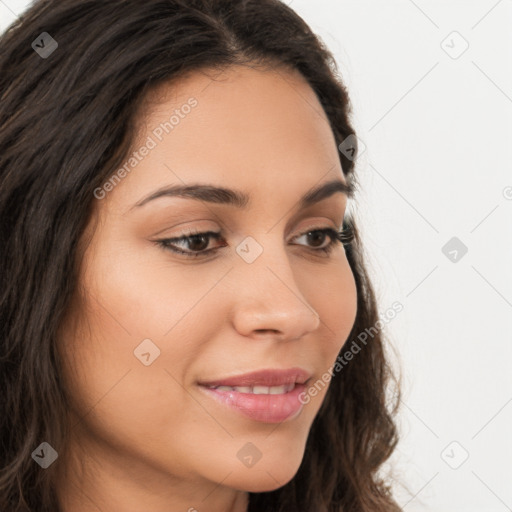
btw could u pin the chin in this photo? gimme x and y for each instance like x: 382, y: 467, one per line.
x: 264, y: 477
x: 261, y: 481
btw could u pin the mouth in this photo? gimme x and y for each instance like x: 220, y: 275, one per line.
x: 262, y: 379
x: 257, y: 390
x: 269, y: 396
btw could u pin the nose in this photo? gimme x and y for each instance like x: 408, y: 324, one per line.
x: 268, y: 301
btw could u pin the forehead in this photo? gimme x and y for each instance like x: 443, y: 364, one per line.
x: 256, y: 129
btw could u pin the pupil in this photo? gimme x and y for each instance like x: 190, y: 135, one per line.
x: 196, y: 238
x: 318, y: 234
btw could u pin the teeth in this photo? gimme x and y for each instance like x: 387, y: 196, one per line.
x: 259, y: 390
x: 224, y: 388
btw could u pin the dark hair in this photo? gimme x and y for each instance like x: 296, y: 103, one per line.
x: 67, y: 123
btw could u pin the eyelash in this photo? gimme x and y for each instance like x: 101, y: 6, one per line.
x: 345, y: 237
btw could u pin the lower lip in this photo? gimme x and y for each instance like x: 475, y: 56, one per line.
x: 264, y: 408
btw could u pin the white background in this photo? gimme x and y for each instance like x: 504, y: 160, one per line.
x: 437, y: 165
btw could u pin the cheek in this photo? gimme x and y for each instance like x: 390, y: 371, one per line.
x: 146, y: 296
x: 335, y: 299
x: 135, y: 305
x: 121, y: 401
x: 334, y: 296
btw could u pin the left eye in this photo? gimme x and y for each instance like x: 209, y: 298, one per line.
x: 198, y: 242
x: 320, y: 234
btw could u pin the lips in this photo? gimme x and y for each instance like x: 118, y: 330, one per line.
x: 268, y: 396
x: 262, y: 381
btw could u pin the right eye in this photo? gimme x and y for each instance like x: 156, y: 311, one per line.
x: 197, y: 243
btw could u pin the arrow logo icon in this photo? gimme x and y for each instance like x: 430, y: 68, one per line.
x: 454, y: 249
x: 454, y: 455
x: 44, y: 455
x: 44, y: 45
x: 247, y: 252
x: 147, y: 352
x: 249, y: 455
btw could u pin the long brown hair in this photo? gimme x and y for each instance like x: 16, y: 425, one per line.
x: 67, y: 122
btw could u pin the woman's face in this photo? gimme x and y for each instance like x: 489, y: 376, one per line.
x: 155, y: 326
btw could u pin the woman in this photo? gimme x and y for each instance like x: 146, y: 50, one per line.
x: 180, y: 281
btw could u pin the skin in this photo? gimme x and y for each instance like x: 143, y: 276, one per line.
x: 147, y: 437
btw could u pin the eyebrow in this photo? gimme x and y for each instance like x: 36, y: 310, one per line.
x: 221, y: 195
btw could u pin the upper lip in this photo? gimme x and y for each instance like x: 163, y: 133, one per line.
x: 263, y: 378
